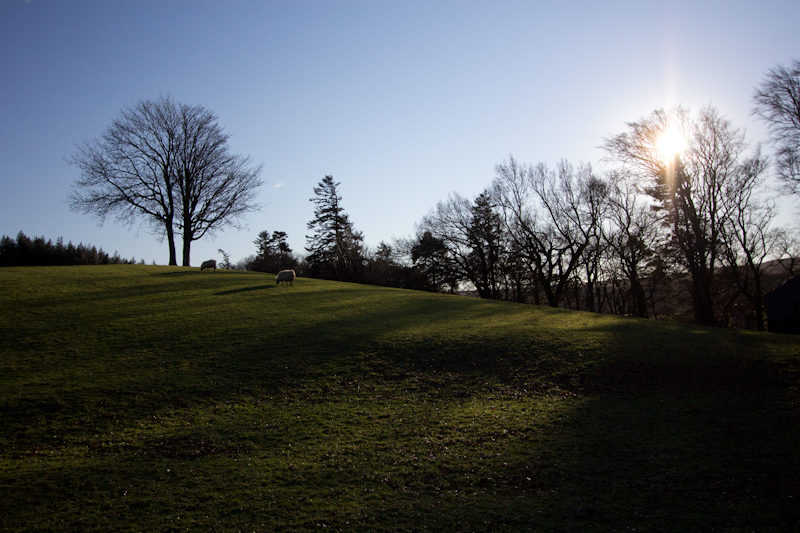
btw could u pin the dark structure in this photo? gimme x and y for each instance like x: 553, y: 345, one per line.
x: 783, y: 307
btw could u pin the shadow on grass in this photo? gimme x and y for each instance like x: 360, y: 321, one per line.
x: 195, y: 271
x: 178, y: 274
x: 417, y: 415
x: 699, y: 462
x: 244, y: 289
x: 668, y: 428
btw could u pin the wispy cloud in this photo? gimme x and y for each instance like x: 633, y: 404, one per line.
x: 280, y: 185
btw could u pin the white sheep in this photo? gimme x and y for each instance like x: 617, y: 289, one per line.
x: 286, y: 276
x: 207, y: 265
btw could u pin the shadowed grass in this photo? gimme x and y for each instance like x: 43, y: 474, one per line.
x: 155, y: 398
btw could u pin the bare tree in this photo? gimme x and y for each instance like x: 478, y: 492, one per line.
x: 473, y: 242
x: 449, y: 224
x: 130, y: 171
x: 788, y: 250
x: 691, y: 189
x: 168, y: 165
x: 631, y: 236
x: 217, y: 188
x: 749, y: 238
x: 553, y: 217
x: 777, y: 102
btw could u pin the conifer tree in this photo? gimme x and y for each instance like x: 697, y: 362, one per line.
x: 335, y: 249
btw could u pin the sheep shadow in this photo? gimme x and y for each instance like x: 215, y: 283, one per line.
x: 244, y: 289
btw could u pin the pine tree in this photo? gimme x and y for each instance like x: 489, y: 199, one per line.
x: 335, y: 249
x: 273, y: 253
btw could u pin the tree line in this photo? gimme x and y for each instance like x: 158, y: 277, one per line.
x: 335, y: 249
x: 26, y: 251
x: 683, y: 227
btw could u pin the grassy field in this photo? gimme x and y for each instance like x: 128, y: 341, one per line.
x: 136, y: 398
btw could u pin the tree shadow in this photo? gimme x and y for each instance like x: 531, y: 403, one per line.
x: 244, y: 289
x: 656, y: 427
x: 179, y: 273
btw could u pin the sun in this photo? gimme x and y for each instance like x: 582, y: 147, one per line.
x: 671, y: 143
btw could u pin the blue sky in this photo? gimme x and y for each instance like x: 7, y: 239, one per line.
x: 402, y: 102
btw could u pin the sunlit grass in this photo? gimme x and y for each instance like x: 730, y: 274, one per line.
x: 155, y: 398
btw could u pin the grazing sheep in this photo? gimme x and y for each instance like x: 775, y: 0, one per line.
x: 209, y: 265
x: 285, y: 275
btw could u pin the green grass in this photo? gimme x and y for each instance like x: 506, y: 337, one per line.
x: 137, y: 398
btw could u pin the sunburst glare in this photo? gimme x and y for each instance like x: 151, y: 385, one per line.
x: 671, y: 143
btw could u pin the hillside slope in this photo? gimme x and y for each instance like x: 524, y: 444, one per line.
x: 137, y: 398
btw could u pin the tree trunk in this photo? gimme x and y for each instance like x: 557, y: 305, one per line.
x: 590, y: 296
x: 187, y: 244
x: 173, y: 258
x: 639, y: 297
x: 702, y: 301
x: 553, y: 297
x: 758, y: 303
x: 640, y: 300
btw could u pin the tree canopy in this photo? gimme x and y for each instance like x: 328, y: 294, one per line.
x: 168, y: 165
x: 777, y: 102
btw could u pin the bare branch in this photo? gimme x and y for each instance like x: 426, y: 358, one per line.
x: 169, y: 165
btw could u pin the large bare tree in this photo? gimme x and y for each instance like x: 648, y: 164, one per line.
x: 168, y: 165
x: 631, y: 236
x: 473, y: 242
x: 749, y: 237
x: 777, y: 102
x: 553, y: 217
x: 695, y: 188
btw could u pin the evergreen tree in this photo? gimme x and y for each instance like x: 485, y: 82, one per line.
x: 25, y: 251
x: 487, y: 244
x: 429, y: 255
x: 273, y: 253
x: 335, y: 249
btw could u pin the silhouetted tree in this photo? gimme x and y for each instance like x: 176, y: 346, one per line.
x: 788, y: 246
x: 273, y: 253
x: 335, y: 249
x: 24, y: 251
x: 226, y: 260
x: 429, y: 256
x: 169, y: 165
x: 488, y: 244
x: 749, y: 238
x: 777, y: 102
x: 448, y: 226
x: 693, y: 190
x: 385, y: 266
x: 631, y: 237
x: 473, y: 242
x: 553, y: 217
